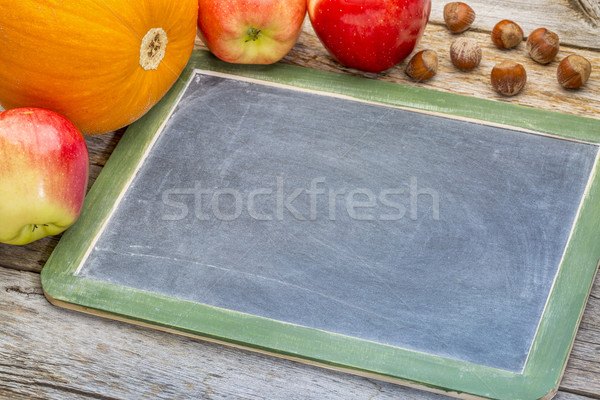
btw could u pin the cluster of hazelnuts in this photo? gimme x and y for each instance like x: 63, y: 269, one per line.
x: 507, y: 77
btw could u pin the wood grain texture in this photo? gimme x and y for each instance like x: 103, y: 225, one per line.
x: 51, y: 353
x: 575, y: 21
x: 582, y: 374
x: 591, y: 8
x: 541, y: 91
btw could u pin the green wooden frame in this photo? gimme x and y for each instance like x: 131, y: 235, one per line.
x: 556, y: 333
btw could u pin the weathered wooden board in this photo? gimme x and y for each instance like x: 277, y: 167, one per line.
x: 542, y: 90
x: 52, y: 354
x: 217, y: 372
x: 576, y: 22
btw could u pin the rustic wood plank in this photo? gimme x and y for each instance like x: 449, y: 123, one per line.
x: 570, y: 396
x: 542, y: 90
x: 582, y: 374
x: 52, y: 353
x: 100, y: 147
x: 591, y: 8
x: 576, y: 22
x: 46, y: 352
x: 31, y: 257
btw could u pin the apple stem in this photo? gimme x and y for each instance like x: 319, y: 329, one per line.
x: 252, y: 34
x: 35, y: 226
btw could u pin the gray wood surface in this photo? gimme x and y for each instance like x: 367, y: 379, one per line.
x: 51, y: 353
x: 54, y: 353
x: 572, y: 20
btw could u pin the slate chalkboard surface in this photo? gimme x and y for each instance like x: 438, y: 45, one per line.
x: 413, y: 231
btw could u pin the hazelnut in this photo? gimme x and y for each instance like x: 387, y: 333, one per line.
x: 573, y: 71
x: 508, y: 78
x: 458, y: 16
x: 507, y: 34
x: 465, y: 53
x: 543, y: 45
x: 423, y: 65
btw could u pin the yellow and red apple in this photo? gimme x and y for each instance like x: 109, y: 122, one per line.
x: 369, y: 35
x: 250, y: 31
x: 44, y: 170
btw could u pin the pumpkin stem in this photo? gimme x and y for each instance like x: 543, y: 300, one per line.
x: 153, y: 48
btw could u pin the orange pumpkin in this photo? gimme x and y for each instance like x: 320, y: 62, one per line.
x: 100, y: 63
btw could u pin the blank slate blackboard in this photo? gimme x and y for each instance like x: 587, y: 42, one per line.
x: 425, y: 238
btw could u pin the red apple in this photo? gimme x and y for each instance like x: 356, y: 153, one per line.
x: 43, y: 174
x: 370, y: 35
x: 250, y: 31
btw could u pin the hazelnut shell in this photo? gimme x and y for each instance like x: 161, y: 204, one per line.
x: 573, y: 71
x: 507, y: 34
x: 543, y: 45
x: 465, y: 53
x: 458, y: 16
x: 508, y: 78
x: 423, y: 65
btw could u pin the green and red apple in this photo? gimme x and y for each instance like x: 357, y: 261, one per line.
x: 369, y: 35
x: 44, y: 170
x: 250, y: 31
